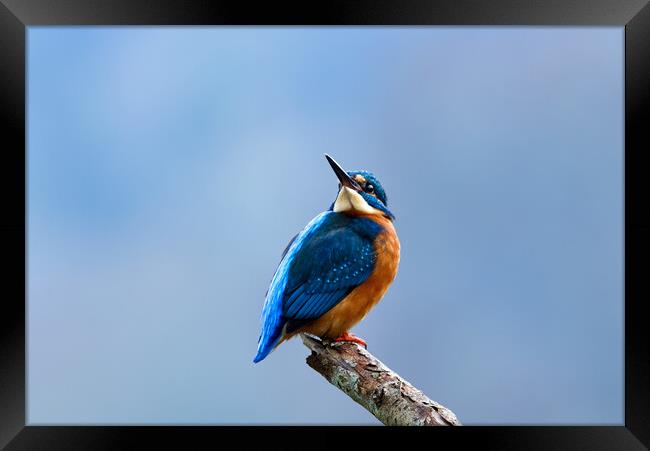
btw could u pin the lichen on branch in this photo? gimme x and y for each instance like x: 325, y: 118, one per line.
x: 369, y: 382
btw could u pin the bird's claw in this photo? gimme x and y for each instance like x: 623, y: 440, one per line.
x: 347, y: 337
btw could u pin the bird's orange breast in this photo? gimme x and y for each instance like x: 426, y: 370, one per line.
x: 358, y: 303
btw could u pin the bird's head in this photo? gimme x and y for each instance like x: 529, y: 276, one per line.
x: 360, y: 193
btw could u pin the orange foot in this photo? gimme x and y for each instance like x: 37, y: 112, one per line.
x: 351, y: 338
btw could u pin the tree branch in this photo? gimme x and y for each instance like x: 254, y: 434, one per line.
x: 376, y: 387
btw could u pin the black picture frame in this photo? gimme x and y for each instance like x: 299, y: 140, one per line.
x: 17, y: 15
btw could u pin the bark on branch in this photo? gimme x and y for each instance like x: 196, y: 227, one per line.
x: 376, y: 387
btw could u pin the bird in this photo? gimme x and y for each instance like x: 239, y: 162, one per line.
x: 336, y: 269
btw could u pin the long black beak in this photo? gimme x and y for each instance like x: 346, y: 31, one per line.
x: 343, y: 176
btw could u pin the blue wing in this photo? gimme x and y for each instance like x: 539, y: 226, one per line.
x: 325, y: 269
x: 324, y: 263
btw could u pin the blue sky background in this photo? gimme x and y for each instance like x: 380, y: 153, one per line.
x: 169, y: 167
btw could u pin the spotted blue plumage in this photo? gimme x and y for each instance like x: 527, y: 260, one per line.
x: 321, y: 266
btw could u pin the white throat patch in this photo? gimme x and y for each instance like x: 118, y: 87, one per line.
x: 348, y: 199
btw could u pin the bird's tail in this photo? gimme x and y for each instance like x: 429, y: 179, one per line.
x: 272, y: 320
x: 267, y: 343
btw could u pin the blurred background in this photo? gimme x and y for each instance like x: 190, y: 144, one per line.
x: 168, y: 167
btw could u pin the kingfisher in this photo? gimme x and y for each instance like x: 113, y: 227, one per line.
x: 336, y: 269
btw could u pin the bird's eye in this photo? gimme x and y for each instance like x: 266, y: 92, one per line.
x: 370, y: 189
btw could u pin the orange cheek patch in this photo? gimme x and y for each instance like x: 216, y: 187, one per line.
x: 361, y: 180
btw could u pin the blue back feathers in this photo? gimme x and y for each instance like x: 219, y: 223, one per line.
x: 322, y: 265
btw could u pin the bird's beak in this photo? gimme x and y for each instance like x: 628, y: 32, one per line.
x: 343, y: 176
